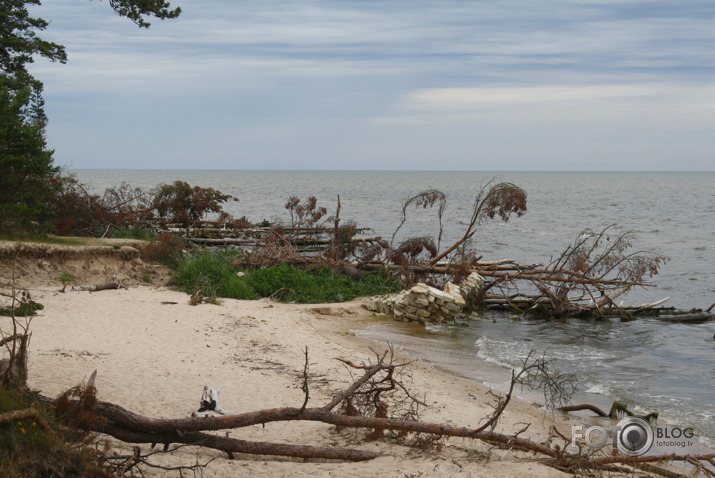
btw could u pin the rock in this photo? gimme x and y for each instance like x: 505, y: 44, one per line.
x: 456, y: 292
x: 423, y: 303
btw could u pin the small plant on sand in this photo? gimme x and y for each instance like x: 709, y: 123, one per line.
x: 20, y: 305
x: 65, y: 279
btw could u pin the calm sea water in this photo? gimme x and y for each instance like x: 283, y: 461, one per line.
x: 650, y: 364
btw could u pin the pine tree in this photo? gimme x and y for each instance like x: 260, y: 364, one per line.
x: 28, y: 177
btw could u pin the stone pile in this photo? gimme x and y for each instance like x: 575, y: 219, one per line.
x: 426, y: 304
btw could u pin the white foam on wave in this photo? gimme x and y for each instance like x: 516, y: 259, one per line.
x: 599, y: 389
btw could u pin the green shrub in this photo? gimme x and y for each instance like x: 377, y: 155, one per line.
x: 24, y: 306
x: 215, y: 273
x: 133, y: 232
x: 290, y: 284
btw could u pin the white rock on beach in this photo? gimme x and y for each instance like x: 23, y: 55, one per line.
x: 422, y: 303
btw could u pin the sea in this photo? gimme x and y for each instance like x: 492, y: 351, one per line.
x: 651, y: 365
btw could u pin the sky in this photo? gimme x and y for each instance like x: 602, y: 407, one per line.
x: 503, y: 85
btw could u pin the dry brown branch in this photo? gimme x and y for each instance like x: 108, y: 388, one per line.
x: 13, y: 371
x: 594, y: 270
x: 124, y: 465
x: 335, y: 246
x: 502, y: 199
x: 304, y: 387
x: 424, y: 199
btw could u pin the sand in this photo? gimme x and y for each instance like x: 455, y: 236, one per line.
x: 153, y: 353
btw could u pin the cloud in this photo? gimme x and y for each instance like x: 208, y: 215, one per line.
x: 476, y: 98
x: 392, y: 79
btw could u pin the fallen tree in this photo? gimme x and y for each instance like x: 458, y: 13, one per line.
x: 379, y: 402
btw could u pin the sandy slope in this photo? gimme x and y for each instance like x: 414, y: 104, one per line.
x: 154, y: 358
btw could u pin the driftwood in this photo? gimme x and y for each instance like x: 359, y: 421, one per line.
x: 378, y: 379
x: 688, y: 317
x: 108, y: 285
x: 133, y: 428
x: 618, y: 410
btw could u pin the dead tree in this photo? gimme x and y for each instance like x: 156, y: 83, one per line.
x: 363, y: 405
x: 593, y: 271
x: 20, y: 308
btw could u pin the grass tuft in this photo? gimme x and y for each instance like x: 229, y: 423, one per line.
x: 215, y: 275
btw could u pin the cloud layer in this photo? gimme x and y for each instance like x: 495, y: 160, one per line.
x: 505, y: 85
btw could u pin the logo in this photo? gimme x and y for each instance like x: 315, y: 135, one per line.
x: 632, y: 436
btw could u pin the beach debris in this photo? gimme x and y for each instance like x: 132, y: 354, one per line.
x: 108, y: 285
x: 618, y: 410
x: 209, y: 404
x: 380, y: 402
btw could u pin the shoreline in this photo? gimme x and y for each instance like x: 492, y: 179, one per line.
x: 409, y: 339
x: 154, y: 359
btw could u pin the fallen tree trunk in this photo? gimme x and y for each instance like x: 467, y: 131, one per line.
x: 692, y: 318
x: 133, y: 428
x: 161, y: 427
x: 128, y: 426
x: 108, y: 285
x: 235, y: 445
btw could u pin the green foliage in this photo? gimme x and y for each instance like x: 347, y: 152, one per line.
x: 24, y: 306
x: 291, y: 284
x: 215, y: 274
x: 65, y: 277
x: 27, y: 180
x: 18, y: 38
x: 136, y: 10
x: 133, y: 232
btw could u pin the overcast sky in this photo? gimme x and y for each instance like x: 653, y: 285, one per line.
x: 385, y: 84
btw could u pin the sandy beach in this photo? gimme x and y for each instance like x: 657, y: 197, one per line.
x: 153, y: 353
